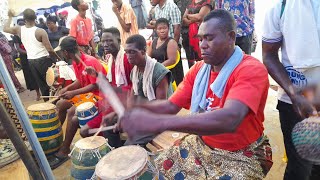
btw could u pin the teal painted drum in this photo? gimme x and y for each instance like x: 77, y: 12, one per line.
x: 85, y: 155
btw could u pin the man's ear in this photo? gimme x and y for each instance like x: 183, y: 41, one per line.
x: 232, y: 35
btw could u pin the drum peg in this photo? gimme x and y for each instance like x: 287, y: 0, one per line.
x: 175, y: 135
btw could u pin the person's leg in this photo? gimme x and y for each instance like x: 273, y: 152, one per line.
x: 245, y: 43
x: 62, y: 107
x: 71, y: 130
x: 8, y: 62
x: 38, y: 94
x: 297, y: 168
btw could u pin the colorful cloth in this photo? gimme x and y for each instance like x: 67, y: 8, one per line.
x: 171, y: 12
x: 84, y: 78
x: 190, y: 158
x: 129, y: 17
x: 249, y: 84
x: 5, y: 51
x: 243, y: 11
x: 81, y: 29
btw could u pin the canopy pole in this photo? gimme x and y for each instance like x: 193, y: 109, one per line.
x: 24, y: 120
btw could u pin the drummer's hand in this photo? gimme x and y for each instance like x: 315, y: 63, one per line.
x: 303, y: 106
x: 109, y: 119
x: 67, y: 95
x: 62, y: 91
x: 91, y: 71
x: 139, y: 121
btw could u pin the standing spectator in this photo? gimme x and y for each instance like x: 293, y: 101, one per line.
x: 192, y: 19
x: 170, y: 11
x: 243, y: 12
x: 42, y: 24
x: 81, y: 28
x: 151, y: 20
x: 5, y: 51
x: 139, y: 12
x: 127, y: 20
x: 28, y: 77
x: 63, y: 16
x: 294, y: 27
x: 55, y: 32
x: 38, y: 47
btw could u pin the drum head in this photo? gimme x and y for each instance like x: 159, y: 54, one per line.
x: 122, y: 163
x: 91, y: 142
x: 41, y: 107
x: 85, y: 106
x: 50, y: 76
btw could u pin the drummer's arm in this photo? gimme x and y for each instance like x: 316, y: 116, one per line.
x: 86, y: 89
x: 161, y: 107
x: 75, y: 85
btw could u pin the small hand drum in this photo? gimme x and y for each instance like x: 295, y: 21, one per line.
x: 52, y: 75
x: 306, y: 139
x: 126, y: 163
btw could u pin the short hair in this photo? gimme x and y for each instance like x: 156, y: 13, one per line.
x: 75, y: 4
x: 226, y: 19
x: 162, y: 21
x: 69, y: 44
x: 139, y: 41
x: 29, y: 15
x: 113, y: 30
x: 52, y: 19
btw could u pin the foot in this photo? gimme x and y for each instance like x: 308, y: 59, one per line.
x: 20, y: 90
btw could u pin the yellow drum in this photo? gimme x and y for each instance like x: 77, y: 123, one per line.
x: 46, y: 124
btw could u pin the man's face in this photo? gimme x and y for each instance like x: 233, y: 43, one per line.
x: 135, y: 56
x: 215, y: 42
x: 83, y: 5
x: 154, y: 2
x: 110, y: 43
x: 117, y: 2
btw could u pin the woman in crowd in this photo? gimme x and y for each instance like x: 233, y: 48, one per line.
x: 54, y: 31
x: 192, y: 18
x: 164, y: 49
x: 28, y: 77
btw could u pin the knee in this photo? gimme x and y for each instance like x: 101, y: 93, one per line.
x: 62, y: 105
x: 71, y: 111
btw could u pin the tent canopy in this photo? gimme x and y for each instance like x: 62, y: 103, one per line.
x: 18, y: 6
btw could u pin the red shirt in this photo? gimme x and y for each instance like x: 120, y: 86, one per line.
x: 249, y: 84
x: 81, y: 29
x: 104, y: 106
x: 82, y: 76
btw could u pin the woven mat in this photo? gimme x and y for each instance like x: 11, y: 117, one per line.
x: 8, y: 153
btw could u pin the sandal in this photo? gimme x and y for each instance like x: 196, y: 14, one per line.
x: 56, y: 160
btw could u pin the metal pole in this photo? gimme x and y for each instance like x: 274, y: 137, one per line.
x: 24, y: 119
x: 19, y: 144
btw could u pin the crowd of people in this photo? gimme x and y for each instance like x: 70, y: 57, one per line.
x: 225, y: 89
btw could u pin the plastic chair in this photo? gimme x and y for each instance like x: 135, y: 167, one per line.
x: 174, y: 84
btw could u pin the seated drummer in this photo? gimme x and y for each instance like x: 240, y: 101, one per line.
x: 226, y: 93
x: 154, y: 83
x: 118, y: 76
x: 83, y: 84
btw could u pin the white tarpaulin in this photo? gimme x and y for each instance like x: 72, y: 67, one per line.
x: 19, y: 5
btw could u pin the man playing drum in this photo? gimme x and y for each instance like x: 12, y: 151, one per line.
x: 226, y: 93
x: 84, y: 84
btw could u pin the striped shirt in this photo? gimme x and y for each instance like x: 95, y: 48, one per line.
x: 127, y: 14
x: 171, y: 12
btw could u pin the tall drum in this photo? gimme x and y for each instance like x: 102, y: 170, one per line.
x: 126, y: 163
x: 85, y: 155
x: 46, y: 124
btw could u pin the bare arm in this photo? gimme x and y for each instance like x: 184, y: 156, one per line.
x: 123, y: 24
x: 162, y: 88
x: 42, y: 36
x: 149, y: 49
x: 224, y: 120
x: 12, y: 30
x: 276, y: 70
x: 151, y: 24
x: 161, y: 107
x: 93, y: 46
x: 75, y: 85
x: 199, y: 16
x: 172, y: 49
x: 176, y: 29
x: 185, y: 20
x: 86, y: 89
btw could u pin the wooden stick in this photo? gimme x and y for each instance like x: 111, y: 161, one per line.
x: 49, y: 96
x: 108, y: 128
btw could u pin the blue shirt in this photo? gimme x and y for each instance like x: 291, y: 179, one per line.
x: 243, y: 11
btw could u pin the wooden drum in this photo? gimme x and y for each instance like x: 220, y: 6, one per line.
x: 46, y: 124
x: 86, y: 112
x: 126, y: 163
x: 85, y: 155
